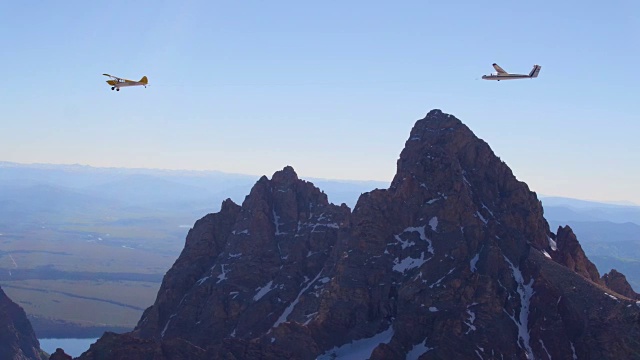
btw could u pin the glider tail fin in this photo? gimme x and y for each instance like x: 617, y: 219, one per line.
x: 144, y: 80
x: 535, y: 71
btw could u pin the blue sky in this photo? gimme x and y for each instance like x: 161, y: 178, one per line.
x: 331, y: 88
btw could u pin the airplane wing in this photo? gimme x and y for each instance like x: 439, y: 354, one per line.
x: 113, y: 77
x: 499, y: 69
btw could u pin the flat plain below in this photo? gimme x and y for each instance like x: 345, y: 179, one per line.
x: 79, y: 279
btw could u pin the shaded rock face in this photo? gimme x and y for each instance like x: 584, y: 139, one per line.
x: 59, y: 354
x: 17, y: 339
x: 454, y: 260
x: 242, y: 268
x: 571, y: 255
x: 617, y: 282
x: 125, y: 346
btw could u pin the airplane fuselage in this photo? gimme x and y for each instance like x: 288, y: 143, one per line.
x: 506, y: 77
x: 119, y: 84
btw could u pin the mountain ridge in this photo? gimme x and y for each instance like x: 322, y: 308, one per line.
x: 454, y: 260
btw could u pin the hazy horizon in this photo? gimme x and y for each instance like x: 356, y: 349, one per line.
x: 620, y: 202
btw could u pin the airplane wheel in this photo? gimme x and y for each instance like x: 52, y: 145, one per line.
x: 118, y: 89
x: 113, y: 88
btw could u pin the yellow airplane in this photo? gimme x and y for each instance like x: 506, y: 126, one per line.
x: 116, y: 82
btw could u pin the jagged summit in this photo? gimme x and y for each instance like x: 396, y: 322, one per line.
x: 454, y: 260
x: 285, y: 177
x: 266, y: 249
x: 617, y: 282
x: 444, y: 160
x: 437, y: 120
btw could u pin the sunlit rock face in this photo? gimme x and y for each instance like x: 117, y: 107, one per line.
x: 454, y: 260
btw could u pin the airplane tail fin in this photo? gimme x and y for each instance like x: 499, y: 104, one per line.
x: 535, y: 71
x: 144, y: 80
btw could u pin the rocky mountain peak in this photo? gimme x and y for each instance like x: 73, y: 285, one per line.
x: 571, y: 255
x: 228, y: 206
x: 444, y: 160
x: 284, y: 177
x: 252, y: 260
x: 59, y: 354
x: 617, y: 282
x: 454, y: 260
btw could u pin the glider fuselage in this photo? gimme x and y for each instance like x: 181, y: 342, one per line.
x: 506, y: 77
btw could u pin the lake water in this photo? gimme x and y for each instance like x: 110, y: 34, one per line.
x: 73, y: 347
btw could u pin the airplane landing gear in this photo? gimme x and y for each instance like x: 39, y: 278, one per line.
x: 113, y: 88
x: 118, y: 89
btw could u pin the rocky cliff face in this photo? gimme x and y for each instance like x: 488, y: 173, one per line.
x: 244, y: 267
x: 571, y: 255
x: 17, y: 339
x: 618, y: 282
x: 454, y: 260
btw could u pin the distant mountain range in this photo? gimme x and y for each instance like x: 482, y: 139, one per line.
x: 151, y: 187
x: 46, y: 184
x: 567, y: 209
x: 609, y: 233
